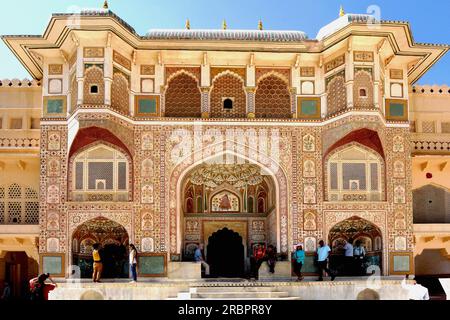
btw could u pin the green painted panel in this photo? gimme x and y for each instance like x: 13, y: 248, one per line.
x: 309, y: 266
x: 153, y: 265
x: 397, y: 110
x: 55, y: 106
x: 147, y: 106
x: 52, y: 265
x: 401, y: 263
x: 309, y: 107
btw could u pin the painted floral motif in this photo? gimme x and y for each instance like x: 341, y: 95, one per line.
x: 53, y: 167
x: 52, y: 245
x: 309, y: 219
x: 309, y: 143
x: 399, y: 194
x: 310, y: 244
x: 54, y: 142
x: 147, y: 221
x: 398, y: 144
x: 399, y: 169
x: 147, y: 193
x: 147, y: 142
x: 309, y: 169
x: 147, y: 168
x: 309, y: 194
x: 53, y: 195
x: 400, y: 244
x: 148, y: 245
x: 53, y: 221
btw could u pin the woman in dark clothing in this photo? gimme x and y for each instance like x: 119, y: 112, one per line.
x: 271, y: 257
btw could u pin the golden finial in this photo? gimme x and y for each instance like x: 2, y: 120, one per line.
x: 341, y: 12
x: 224, y: 25
x: 260, y: 25
x: 188, y: 24
x: 105, y: 5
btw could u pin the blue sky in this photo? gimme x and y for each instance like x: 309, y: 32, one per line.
x: 429, y: 20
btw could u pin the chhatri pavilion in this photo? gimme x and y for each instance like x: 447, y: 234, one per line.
x: 226, y: 138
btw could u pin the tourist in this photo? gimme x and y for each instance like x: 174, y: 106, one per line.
x: 368, y: 294
x: 348, y: 257
x: 299, y: 261
x: 271, y: 258
x: 39, y: 289
x: 359, y: 253
x: 415, y: 290
x: 98, y: 265
x: 257, y: 258
x: 6, y: 292
x: 322, y: 260
x: 198, y: 257
x: 133, y: 262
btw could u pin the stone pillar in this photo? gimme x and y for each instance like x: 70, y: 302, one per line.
x: 293, y: 92
x: 349, y: 78
x: 251, y: 112
x: 205, y: 102
x: 108, y: 74
x: 321, y: 90
x: 376, y: 80
x: 80, y: 75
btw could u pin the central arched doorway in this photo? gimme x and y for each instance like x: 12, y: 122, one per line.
x: 113, y: 239
x: 360, y: 231
x: 225, y: 254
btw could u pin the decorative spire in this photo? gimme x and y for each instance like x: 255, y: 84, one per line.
x: 188, y: 24
x: 105, y: 5
x: 224, y: 25
x: 341, y: 12
x: 260, y: 25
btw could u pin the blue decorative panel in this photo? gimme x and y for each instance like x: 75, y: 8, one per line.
x: 147, y: 106
x: 309, y: 107
x: 55, y: 106
x: 52, y: 265
x: 401, y: 264
x: 397, y: 110
x: 152, y: 265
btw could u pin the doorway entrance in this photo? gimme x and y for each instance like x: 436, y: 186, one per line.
x: 225, y: 254
x: 19, y: 269
x: 113, y: 240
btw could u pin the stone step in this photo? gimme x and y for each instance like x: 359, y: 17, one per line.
x: 236, y: 289
x: 239, y: 295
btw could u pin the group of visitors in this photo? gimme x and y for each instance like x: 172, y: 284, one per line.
x: 353, y: 258
x: 98, y: 263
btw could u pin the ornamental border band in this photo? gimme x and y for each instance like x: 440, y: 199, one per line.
x: 236, y: 154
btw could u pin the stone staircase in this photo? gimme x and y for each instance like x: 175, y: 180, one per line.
x: 234, y: 293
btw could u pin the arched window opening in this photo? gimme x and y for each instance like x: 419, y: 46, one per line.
x: 101, y: 173
x: 228, y: 104
x: 354, y: 174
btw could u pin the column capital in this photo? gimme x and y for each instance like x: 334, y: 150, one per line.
x: 250, y: 89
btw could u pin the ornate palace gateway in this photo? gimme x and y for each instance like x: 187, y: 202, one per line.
x: 239, y: 137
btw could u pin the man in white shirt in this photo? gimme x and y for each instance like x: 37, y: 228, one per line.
x: 322, y: 260
x: 348, y: 257
x: 415, y: 290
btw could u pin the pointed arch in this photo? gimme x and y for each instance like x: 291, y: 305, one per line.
x: 272, y: 97
x: 231, y: 86
x: 182, y: 96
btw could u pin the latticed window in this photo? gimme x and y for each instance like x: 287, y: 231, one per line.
x: 354, y: 174
x: 18, y: 205
x: 100, y: 174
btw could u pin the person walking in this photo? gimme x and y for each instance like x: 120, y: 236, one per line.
x: 299, y: 261
x: 259, y: 252
x: 323, y: 253
x: 6, y: 296
x: 198, y: 257
x: 98, y: 265
x: 133, y: 262
x: 271, y: 257
x: 359, y: 253
x: 39, y: 289
x: 348, y: 258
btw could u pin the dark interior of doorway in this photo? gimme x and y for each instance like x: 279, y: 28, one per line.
x: 225, y: 254
x: 115, y: 263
